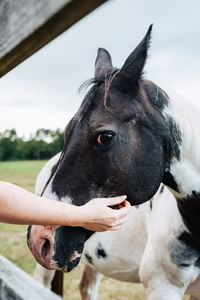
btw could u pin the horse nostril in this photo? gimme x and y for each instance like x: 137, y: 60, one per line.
x: 45, y: 248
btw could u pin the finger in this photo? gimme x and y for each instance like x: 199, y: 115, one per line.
x: 97, y: 228
x: 123, y: 204
x: 127, y: 204
x: 124, y: 211
x: 121, y: 221
x: 115, y: 228
x: 114, y: 200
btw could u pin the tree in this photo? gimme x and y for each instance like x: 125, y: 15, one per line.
x: 44, y: 144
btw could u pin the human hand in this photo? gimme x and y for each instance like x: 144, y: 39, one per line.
x: 97, y: 214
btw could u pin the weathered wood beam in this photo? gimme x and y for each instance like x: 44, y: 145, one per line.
x: 28, y: 25
x: 15, y: 284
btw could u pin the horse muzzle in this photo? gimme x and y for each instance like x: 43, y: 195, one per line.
x: 57, y: 247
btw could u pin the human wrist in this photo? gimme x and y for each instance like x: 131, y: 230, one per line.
x: 83, y: 216
x: 75, y: 216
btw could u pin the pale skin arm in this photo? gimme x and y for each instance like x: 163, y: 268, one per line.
x: 18, y: 206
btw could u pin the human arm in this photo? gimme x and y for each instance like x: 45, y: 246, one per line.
x: 18, y: 206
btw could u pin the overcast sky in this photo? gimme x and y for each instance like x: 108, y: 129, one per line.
x: 42, y: 91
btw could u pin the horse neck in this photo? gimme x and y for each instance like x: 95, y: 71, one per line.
x: 186, y: 169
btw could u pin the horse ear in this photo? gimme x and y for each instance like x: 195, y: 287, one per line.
x: 103, y: 62
x: 127, y: 78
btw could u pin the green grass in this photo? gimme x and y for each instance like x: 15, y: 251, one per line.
x: 13, y: 237
x: 22, y: 173
x: 13, y: 242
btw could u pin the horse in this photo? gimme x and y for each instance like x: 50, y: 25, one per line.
x: 127, y: 137
x: 104, y: 254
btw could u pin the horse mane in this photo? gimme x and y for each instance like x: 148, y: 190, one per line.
x: 107, y: 79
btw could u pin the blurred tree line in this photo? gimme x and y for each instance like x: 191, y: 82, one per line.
x: 44, y: 144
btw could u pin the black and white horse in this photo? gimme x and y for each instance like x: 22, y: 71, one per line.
x: 128, y: 137
x: 143, y: 242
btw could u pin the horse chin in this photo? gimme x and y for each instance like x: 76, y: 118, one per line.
x: 136, y: 202
x: 73, y: 263
x: 69, y: 265
x: 138, y: 198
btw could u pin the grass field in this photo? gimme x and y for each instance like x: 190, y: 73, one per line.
x: 13, y: 242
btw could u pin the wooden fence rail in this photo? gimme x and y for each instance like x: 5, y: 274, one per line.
x: 26, y: 26
x: 15, y: 284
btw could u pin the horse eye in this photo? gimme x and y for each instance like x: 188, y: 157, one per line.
x: 104, y: 138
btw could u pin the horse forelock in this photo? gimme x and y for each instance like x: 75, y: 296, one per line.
x: 105, y: 79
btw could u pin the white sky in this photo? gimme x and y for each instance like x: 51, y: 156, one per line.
x: 42, y: 91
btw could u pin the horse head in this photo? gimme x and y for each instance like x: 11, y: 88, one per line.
x: 114, y: 145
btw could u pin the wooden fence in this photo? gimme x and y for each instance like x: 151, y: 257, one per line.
x: 15, y: 284
x: 28, y: 25
x: 25, y: 27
